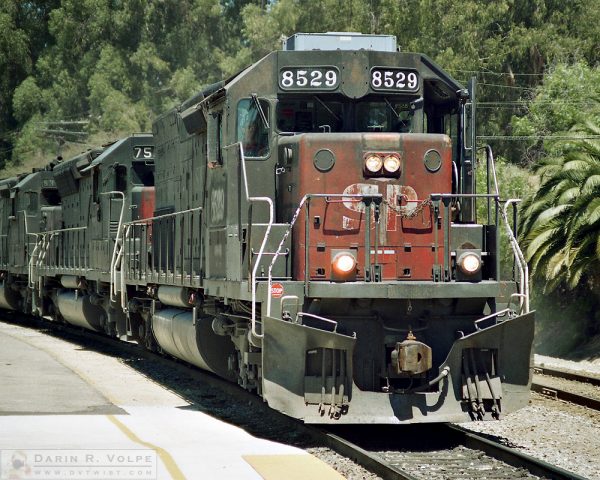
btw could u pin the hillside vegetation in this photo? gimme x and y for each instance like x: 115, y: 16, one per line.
x: 78, y: 73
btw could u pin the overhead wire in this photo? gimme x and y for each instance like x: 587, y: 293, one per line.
x: 537, y: 137
x: 489, y: 72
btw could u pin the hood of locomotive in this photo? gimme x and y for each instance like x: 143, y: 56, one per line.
x: 392, y: 239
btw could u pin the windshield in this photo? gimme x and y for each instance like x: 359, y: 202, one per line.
x: 251, y: 128
x: 321, y: 114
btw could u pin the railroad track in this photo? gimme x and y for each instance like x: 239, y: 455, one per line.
x: 410, y: 452
x: 451, y: 453
x: 571, y: 387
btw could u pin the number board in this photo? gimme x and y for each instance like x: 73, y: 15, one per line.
x: 394, y: 79
x: 309, y: 78
x: 143, y: 152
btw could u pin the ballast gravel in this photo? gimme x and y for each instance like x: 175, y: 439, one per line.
x: 560, y: 433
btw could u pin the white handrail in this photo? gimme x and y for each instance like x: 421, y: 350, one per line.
x: 278, y: 252
x: 30, y: 283
x: 118, y: 243
x: 268, y: 201
x: 519, y: 257
x: 124, y: 305
x: 165, y: 215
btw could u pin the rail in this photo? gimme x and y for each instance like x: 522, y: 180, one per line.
x: 518, y: 254
x: 436, y: 199
x: 269, y: 202
x: 38, y: 256
x: 305, y: 202
x: 156, y: 250
x: 71, y: 253
x: 4, y: 250
x: 492, y: 194
x: 118, y: 243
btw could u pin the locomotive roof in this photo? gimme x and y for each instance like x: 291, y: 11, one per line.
x: 32, y: 178
x: 440, y: 85
x: 114, y: 148
x: 8, y: 183
x: 437, y: 85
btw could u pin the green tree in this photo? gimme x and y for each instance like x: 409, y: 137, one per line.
x: 23, y: 36
x: 561, y: 221
x: 569, y: 95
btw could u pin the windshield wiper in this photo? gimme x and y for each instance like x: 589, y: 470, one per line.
x: 387, y: 102
x: 324, y: 105
x: 261, y: 112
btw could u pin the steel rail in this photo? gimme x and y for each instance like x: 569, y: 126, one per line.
x: 372, y: 462
x: 512, y: 456
x: 456, y: 435
x: 567, y: 375
x: 549, y: 390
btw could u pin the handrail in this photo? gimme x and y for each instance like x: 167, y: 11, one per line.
x: 301, y: 315
x: 61, y: 230
x: 30, y: 283
x: 291, y: 225
x: 138, y: 230
x: 119, y: 260
x: 268, y: 201
x: 141, y: 221
x: 47, y: 237
x: 118, y: 242
x: 519, y: 257
x: 487, y: 317
x: 517, y: 252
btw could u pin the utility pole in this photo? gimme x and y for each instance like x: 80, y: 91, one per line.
x: 63, y: 131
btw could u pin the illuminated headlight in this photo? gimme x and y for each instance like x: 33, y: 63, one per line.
x: 469, y: 263
x: 344, y: 263
x: 373, y: 163
x: 343, y: 266
x: 391, y: 163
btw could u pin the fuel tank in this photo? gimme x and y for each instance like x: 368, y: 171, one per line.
x: 196, y: 343
x: 173, y: 296
x: 9, y: 299
x: 78, y: 310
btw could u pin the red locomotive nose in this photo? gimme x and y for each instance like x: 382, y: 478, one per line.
x: 392, y: 237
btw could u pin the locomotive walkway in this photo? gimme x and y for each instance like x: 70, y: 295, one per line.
x: 65, y: 408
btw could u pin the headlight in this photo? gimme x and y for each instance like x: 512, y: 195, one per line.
x: 373, y: 163
x: 343, y: 267
x: 344, y: 263
x: 391, y: 163
x: 469, y: 263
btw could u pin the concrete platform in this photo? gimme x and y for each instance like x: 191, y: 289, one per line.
x: 67, y: 411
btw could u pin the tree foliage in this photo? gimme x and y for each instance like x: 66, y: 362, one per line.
x: 561, y: 222
x: 568, y: 96
x: 120, y: 63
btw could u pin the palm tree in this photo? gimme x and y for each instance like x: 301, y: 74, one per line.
x: 560, y: 225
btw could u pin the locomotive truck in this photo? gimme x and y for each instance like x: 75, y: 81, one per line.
x: 307, y: 228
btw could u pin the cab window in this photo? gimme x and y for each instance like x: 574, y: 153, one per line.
x: 309, y: 115
x: 251, y: 129
x: 384, y: 116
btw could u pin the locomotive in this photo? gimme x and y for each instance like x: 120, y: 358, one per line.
x: 306, y: 228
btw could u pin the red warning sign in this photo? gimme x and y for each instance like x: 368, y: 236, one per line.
x: 276, y: 290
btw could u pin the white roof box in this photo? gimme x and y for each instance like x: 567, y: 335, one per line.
x: 340, y: 41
